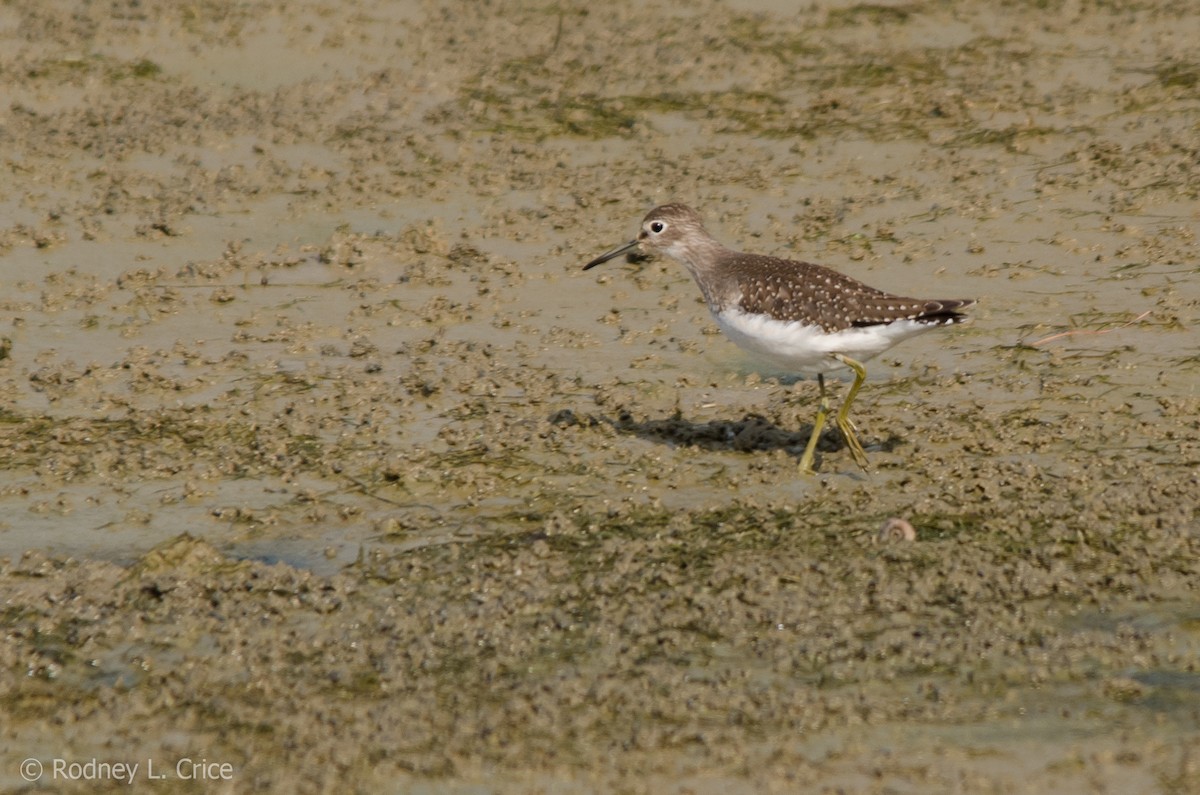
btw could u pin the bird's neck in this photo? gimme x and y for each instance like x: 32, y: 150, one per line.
x: 702, y: 259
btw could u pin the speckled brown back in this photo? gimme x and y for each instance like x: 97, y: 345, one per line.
x: 787, y: 290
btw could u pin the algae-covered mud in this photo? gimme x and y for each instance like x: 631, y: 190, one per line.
x: 326, y: 468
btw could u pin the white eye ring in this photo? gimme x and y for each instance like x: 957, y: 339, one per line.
x: 657, y: 227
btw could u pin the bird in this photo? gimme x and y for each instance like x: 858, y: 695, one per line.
x: 800, y: 317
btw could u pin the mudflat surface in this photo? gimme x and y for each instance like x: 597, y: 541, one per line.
x: 322, y: 460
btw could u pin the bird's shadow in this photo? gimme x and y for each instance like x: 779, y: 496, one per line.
x: 752, y: 433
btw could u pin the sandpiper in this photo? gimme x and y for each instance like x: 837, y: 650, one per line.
x: 798, y: 316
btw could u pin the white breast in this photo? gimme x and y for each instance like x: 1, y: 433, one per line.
x: 797, y: 347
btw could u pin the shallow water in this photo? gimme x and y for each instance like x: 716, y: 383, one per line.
x: 324, y: 458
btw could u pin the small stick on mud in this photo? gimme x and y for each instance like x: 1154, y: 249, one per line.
x: 1072, y: 333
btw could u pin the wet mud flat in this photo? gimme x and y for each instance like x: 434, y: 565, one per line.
x: 322, y: 459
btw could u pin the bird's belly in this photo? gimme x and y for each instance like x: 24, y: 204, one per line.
x: 798, y: 347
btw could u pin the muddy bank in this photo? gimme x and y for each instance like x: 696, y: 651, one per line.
x: 323, y: 460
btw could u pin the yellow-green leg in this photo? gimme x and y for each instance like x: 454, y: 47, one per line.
x: 806, y: 460
x: 842, y: 420
x: 843, y: 416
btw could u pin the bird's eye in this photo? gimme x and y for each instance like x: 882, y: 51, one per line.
x: 657, y: 227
